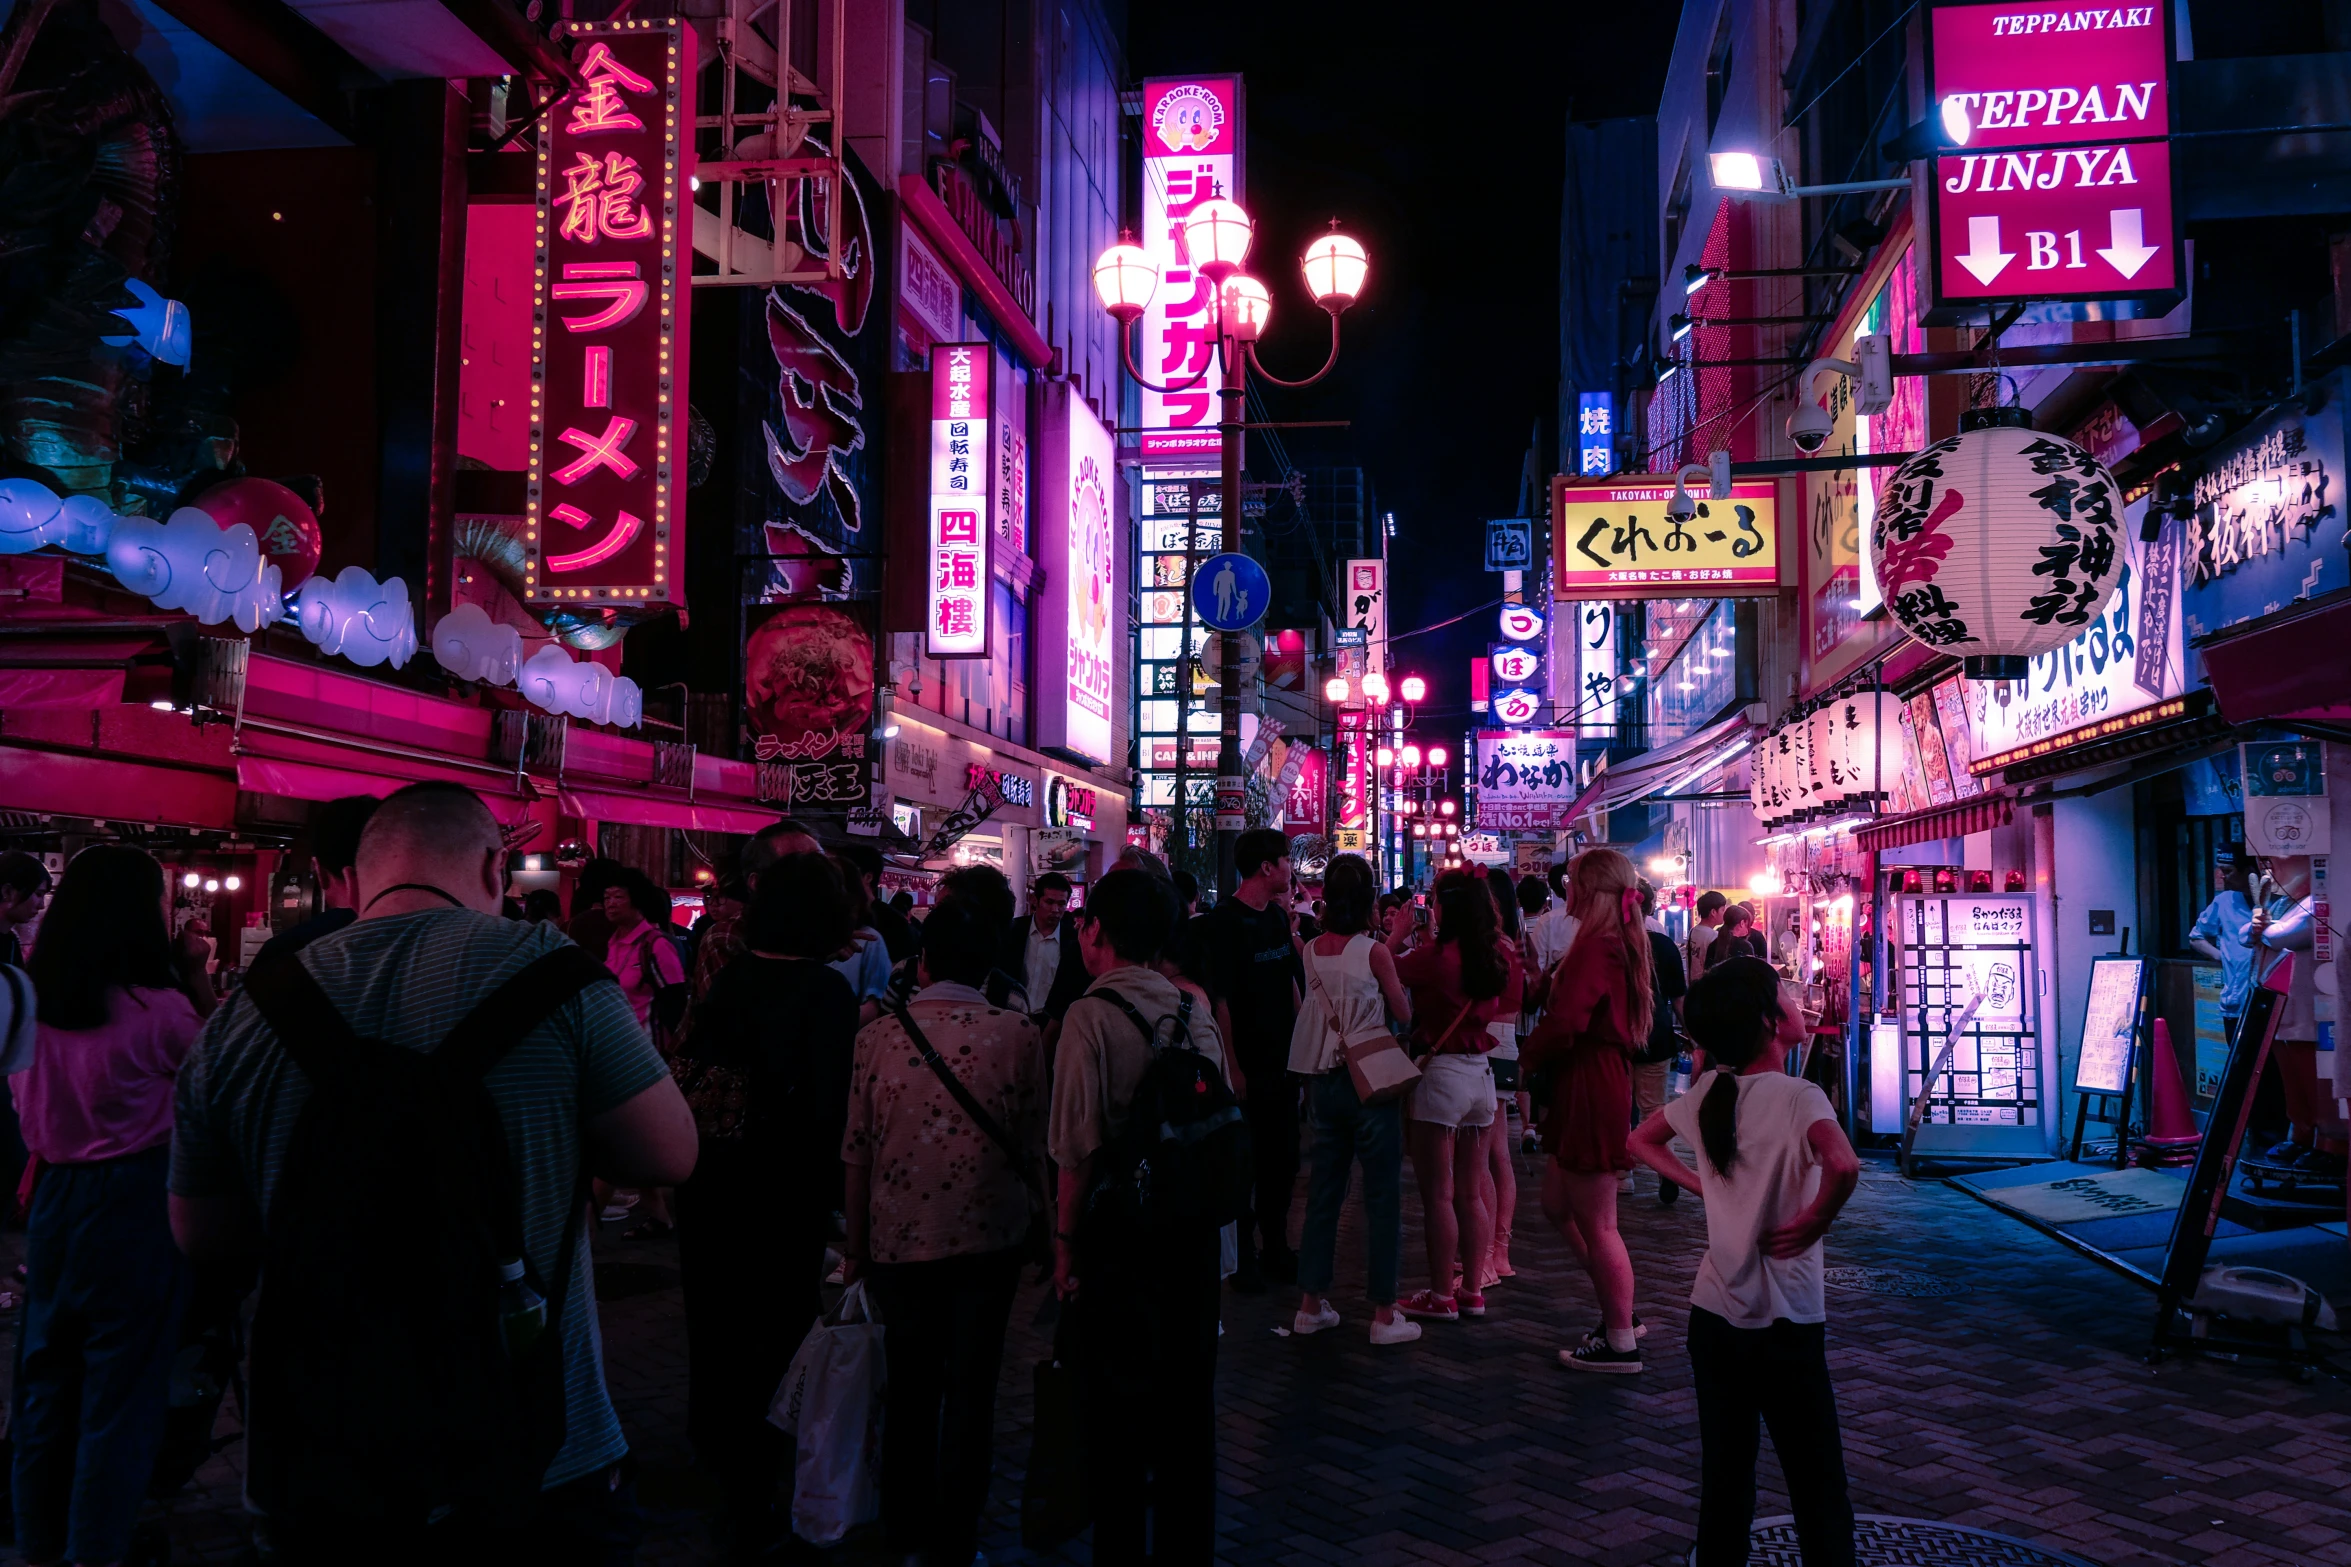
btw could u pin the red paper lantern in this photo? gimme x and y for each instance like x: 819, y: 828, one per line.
x: 279, y: 519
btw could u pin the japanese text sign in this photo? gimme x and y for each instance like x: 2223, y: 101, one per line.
x: 1078, y: 613
x: 1191, y: 153
x: 2058, y: 181
x: 1595, y: 433
x: 1355, y: 781
x: 1525, y: 778
x: 1614, y: 541
x: 1303, y: 809
x: 608, y: 331
x: 955, y: 623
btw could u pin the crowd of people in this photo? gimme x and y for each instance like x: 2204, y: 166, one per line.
x: 810, y: 1083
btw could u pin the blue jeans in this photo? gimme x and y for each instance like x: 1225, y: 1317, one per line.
x: 104, y: 1286
x: 1345, y: 1130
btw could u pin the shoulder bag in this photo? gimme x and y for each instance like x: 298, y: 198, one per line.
x: 1376, y: 1063
x: 1037, y: 1245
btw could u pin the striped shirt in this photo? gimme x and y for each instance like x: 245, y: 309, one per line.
x: 408, y: 980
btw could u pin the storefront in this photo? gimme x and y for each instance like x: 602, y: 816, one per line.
x: 966, y: 803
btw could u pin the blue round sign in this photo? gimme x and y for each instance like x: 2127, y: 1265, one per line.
x: 1230, y: 593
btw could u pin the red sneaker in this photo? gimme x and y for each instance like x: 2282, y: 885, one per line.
x: 1430, y: 1306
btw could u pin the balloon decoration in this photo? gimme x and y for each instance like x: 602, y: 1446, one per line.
x: 279, y: 518
x: 190, y: 562
x: 1998, y: 543
x: 471, y: 646
x: 357, y: 617
x: 582, y: 688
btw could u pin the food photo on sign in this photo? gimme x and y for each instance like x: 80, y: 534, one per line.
x: 808, y: 697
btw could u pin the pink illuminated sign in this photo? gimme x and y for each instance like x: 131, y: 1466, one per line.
x: 2057, y: 181
x: 962, y: 384
x: 608, y: 338
x: 1191, y: 153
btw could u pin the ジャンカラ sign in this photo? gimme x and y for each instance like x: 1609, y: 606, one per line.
x: 608, y: 332
x: 1614, y: 541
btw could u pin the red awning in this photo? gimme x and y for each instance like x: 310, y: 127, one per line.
x: 60, y: 687
x: 2288, y: 667
x: 1940, y: 821
x: 648, y: 810
x: 111, y: 788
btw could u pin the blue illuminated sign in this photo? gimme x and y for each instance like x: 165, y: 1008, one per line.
x: 1596, y: 433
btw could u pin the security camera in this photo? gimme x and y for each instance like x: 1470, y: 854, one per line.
x: 1809, y: 426
x: 1682, y: 507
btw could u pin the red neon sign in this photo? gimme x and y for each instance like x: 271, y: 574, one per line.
x: 608, y: 335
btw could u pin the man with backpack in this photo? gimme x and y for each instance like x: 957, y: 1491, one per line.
x: 401, y: 1121
x: 1154, y: 1158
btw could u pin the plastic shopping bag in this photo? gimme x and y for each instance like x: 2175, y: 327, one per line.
x: 831, y: 1400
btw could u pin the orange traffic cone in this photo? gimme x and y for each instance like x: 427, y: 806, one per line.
x: 2172, y: 1138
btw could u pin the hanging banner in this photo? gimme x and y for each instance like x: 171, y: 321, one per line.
x: 1191, y: 154
x: 961, y: 539
x: 608, y: 347
x: 1526, y: 778
x: 1079, y: 541
x: 1614, y: 541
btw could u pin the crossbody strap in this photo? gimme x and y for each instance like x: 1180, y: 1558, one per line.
x: 308, y: 1027
x: 988, y: 1124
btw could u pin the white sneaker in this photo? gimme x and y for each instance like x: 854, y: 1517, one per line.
x: 1399, y: 1329
x: 1303, y: 1324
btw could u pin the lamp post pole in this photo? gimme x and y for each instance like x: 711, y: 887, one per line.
x: 1232, y: 797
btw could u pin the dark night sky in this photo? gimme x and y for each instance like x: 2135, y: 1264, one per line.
x: 1436, y: 136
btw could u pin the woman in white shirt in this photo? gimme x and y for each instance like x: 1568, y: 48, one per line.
x: 1774, y: 1169
x: 1351, y: 991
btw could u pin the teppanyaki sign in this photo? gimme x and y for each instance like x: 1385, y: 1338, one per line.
x: 2057, y: 181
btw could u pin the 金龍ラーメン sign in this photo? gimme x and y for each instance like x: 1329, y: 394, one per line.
x: 608, y: 337
x: 1614, y: 541
x: 956, y: 619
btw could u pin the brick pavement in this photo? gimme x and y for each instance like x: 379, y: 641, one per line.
x: 2019, y: 1406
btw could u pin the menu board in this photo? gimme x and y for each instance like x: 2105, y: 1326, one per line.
x: 1956, y: 949
x: 2110, y: 1022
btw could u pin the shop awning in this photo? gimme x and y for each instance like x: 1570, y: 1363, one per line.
x: 1938, y: 821
x: 1673, y: 766
x: 116, y: 789
x: 2175, y: 733
x: 648, y: 810
x: 2286, y: 669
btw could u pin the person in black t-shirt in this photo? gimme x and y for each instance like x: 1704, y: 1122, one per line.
x: 334, y: 857
x: 1255, y: 976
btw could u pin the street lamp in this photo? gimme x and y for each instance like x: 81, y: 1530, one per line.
x: 1414, y: 690
x: 1214, y: 241
x: 1335, y: 689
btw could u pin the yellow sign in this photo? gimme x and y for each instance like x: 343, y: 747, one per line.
x: 1613, y: 540
x: 1350, y: 840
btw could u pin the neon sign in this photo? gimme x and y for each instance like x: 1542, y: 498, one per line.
x: 956, y: 622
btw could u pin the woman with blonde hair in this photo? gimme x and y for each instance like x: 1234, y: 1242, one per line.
x: 1596, y: 1016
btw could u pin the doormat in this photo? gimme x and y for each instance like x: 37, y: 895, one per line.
x: 2077, y: 1199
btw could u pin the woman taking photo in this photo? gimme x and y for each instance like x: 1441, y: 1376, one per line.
x: 766, y: 1071
x: 1597, y: 1014
x: 1464, y: 977
x: 1774, y: 1170
x: 119, y: 1005
x: 1351, y: 992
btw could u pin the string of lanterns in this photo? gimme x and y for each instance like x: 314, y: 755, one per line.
x: 247, y: 553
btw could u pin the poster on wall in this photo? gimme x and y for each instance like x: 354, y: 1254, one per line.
x: 808, y: 697
x: 1078, y: 541
x: 1191, y: 136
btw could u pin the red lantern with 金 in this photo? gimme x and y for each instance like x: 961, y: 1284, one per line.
x: 279, y: 518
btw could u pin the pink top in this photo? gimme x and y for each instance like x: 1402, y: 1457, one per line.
x: 101, y: 1093
x: 643, y: 961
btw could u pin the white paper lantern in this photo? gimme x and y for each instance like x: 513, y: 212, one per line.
x: 1828, y: 781
x: 1857, y: 759
x: 1998, y: 543
x: 1800, y: 780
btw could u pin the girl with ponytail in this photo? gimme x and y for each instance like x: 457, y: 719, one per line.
x: 1596, y: 1015
x: 1774, y: 1169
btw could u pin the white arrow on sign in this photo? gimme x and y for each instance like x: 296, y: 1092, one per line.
x: 2127, y: 254
x: 1983, y: 255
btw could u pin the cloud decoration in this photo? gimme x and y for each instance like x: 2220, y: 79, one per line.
x: 31, y: 515
x: 358, y: 618
x: 472, y: 646
x: 580, y: 688
x: 192, y: 563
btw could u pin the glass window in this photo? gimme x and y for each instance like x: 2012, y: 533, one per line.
x: 1159, y: 718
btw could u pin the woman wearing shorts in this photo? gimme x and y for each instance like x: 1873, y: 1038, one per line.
x: 1598, y: 1011
x: 1461, y: 979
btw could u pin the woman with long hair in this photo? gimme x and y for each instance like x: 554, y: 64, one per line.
x: 1596, y: 1016
x: 119, y: 1005
x: 1351, y: 992
x: 1501, y: 1172
x: 1460, y: 980
x: 1774, y: 1170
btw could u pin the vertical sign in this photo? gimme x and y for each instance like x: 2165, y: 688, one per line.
x: 1595, y: 434
x: 1594, y: 626
x: 1078, y: 542
x: 1363, y: 603
x: 1303, y: 810
x: 1355, y: 781
x: 2057, y: 184
x: 608, y: 326
x: 1191, y: 153
x: 962, y: 378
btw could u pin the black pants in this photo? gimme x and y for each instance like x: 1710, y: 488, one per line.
x: 1272, y: 1111
x: 752, y: 1271
x: 944, y: 1335
x: 1145, y: 1341
x: 1779, y: 1376
x: 593, y: 1521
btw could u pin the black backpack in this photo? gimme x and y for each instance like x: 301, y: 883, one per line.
x: 380, y: 1373
x: 1183, y: 1156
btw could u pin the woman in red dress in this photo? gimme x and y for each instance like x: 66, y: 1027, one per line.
x: 1596, y: 1015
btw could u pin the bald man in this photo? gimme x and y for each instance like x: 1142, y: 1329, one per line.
x: 581, y: 1092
